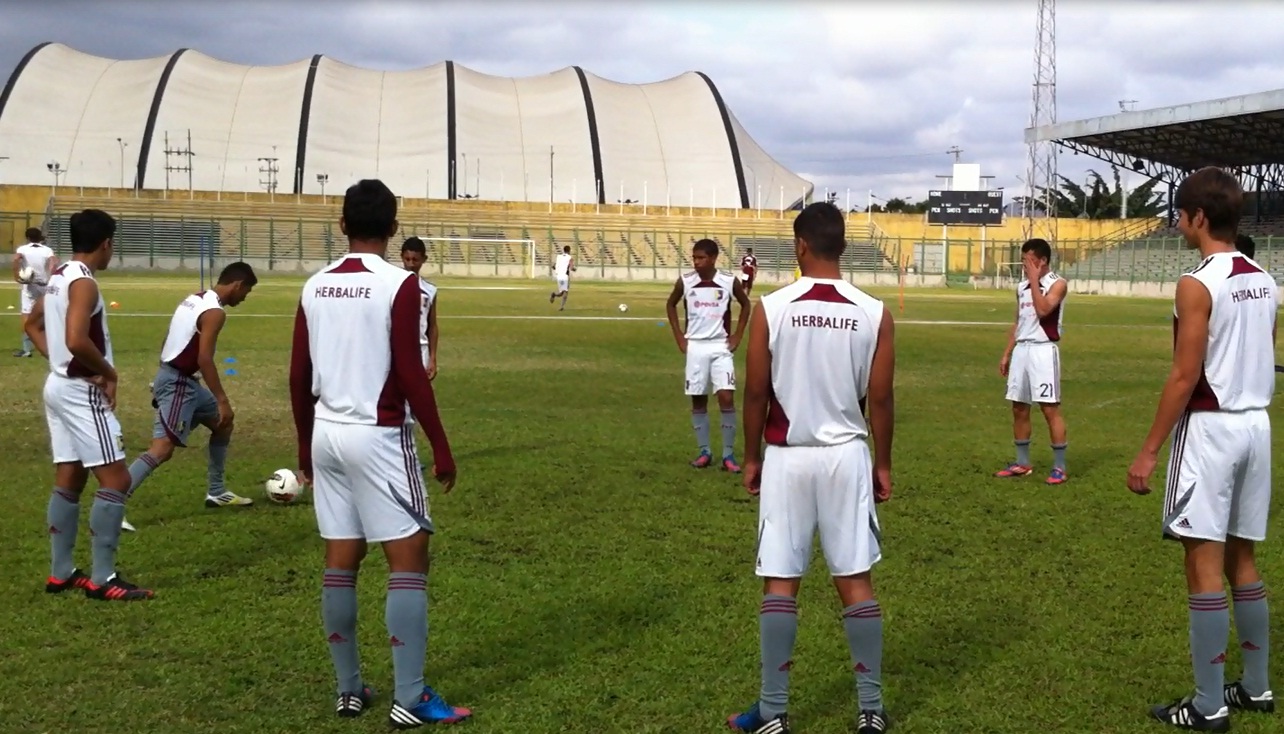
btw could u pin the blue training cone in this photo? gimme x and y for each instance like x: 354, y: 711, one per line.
x: 230, y: 360
x: 230, y: 372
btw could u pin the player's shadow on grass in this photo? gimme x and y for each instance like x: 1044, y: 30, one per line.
x: 491, y: 452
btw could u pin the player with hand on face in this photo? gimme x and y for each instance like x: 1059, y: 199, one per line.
x: 1032, y: 360
x: 413, y: 255
x: 708, y: 343
x: 1218, y: 492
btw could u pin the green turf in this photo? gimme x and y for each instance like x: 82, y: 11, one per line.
x: 585, y: 579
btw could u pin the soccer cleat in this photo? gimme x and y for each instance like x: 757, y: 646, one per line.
x: 551, y: 296
x: 703, y: 460
x: 117, y: 589
x: 352, y: 705
x: 127, y: 526
x: 22, y: 353
x: 1237, y: 697
x: 227, y: 499
x: 1183, y: 715
x: 751, y: 721
x: 729, y: 465
x: 1058, y: 476
x: 77, y: 580
x: 431, y: 709
x: 1013, y: 470
x: 872, y: 722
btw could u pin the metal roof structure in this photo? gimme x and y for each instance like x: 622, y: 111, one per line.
x: 1244, y: 134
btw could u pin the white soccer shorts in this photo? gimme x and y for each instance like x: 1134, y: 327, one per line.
x: 709, y: 362
x: 30, y: 294
x: 810, y: 488
x: 1034, y: 375
x: 1219, y: 476
x: 82, y: 429
x: 367, y: 482
x: 563, y: 283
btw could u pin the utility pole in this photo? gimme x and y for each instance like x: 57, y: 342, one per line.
x: 184, y: 156
x: 122, y: 145
x: 1041, y: 166
x: 956, y: 151
x: 268, y: 167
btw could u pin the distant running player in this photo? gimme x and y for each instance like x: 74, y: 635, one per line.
x: 180, y: 400
x: 708, y: 343
x: 821, y: 351
x: 1032, y: 360
x: 356, y: 368
x: 563, y: 266
x: 42, y: 260
x: 413, y: 255
x: 749, y: 270
x: 69, y: 326
x: 1218, y: 494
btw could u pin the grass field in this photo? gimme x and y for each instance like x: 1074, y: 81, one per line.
x: 585, y: 579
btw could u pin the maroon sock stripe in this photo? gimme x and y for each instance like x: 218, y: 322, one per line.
x: 406, y: 585
x: 68, y: 496
x: 866, y: 613
x: 1209, y: 605
x: 778, y: 608
x: 110, y: 495
x: 149, y: 460
x: 340, y: 582
x: 1257, y: 594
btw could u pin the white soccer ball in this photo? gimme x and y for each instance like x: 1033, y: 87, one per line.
x: 624, y: 308
x: 26, y: 273
x: 283, y: 487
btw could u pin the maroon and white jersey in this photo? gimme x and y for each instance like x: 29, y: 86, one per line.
x: 1238, y: 373
x: 1031, y: 328
x: 822, y: 335
x: 708, y: 305
x: 182, y: 344
x: 749, y: 264
x: 61, y: 361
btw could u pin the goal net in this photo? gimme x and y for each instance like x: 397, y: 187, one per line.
x: 482, y: 256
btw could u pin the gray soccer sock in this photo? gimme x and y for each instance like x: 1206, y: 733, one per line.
x: 64, y: 520
x: 142, y: 468
x: 217, y: 462
x: 339, y: 615
x: 1209, y: 633
x: 777, y: 628
x: 863, y: 623
x: 407, y: 620
x: 728, y: 433
x: 27, y: 346
x: 700, y: 422
x: 564, y: 297
x: 1252, y: 626
x: 104, y: 522
x: 1023, y: 452
x: 1059, y: 456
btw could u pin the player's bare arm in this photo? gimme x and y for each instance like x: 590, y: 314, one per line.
x: 82, y: 299
x: 671, y: 310
x: 411, y: 377
x: 1194, y: 307
x: 1046, y: 304
x: 742, y: 298
x: 881, y: 402
x: 757, y: 393
x: 302, y: 401
x: 1006, y: 360
x: 209, y: 326
x: 432, y: 339
x: 16, y: 265
x: 35, y: 327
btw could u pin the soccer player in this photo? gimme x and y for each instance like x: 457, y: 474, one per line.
x: 69, y: 326
x: 181, y: 401
x: 1246, y: 245
x: 1032, y: 360
x: 708, y: 344
x: 413, y: 255
x: 821, y: 351
x: 355, y: 369
x: 42, y: 260
x: 749, y: 268
x: 1218, y: 493
x: 563, y: 266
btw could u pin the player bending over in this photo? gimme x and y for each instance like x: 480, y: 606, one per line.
x: 563, y: 266
x: 69, y: 326
x: 355, y: 369
x: 708, y: 343
x: 413, y: 255
x: 181, y: 401
x: 1032, y: 360
x: 820, y: 351
x: 749, y: 270
x: 1218, y: 493
x: 42, y: 261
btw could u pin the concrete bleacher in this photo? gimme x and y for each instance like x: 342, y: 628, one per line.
x: 1162, y: 255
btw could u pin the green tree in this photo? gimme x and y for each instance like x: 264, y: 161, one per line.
x: 1100, y: 200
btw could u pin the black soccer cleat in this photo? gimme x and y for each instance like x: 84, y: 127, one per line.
x: 1237, y: 697
x: 118, y: 589
x: 872, y: 722
x: 352, y: 705
x: 77, y: 580
x: 1183, y: 715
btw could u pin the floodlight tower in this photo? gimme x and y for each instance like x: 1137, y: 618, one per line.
x: 1041, y: 167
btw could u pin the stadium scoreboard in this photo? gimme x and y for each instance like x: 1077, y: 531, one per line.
x: 966, y: 208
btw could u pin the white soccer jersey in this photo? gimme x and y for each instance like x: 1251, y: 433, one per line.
x: 562, y: 266
x: 708, y: 305
x: 182, y: 344
x: 822, y: 335
x: 37, y: 256
x: 1031, y: 328
x: 428, y: 294
x: 1239, y: 366
x: 61, y: 361
x: 749, y: 262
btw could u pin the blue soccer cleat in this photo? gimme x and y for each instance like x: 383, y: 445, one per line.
x: 751, y: 721
x: 431, y: 709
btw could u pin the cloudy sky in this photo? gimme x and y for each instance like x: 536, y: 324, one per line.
x: 858, y: 95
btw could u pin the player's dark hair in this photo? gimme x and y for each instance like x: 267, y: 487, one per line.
x: 238, y: 272
x: 567, y: 249
x: 1039, y: 247
x: 1218, y: 194
x: 749, y: 251
x: 707, y: 246
x: 89, y: 229
x: 1246, y: 245
x: 34, y: 234
x: 821, y: 226
x: 414, y: 244
x: 369, y: 210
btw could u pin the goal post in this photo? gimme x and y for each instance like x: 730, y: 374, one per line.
x: 488, y: 256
